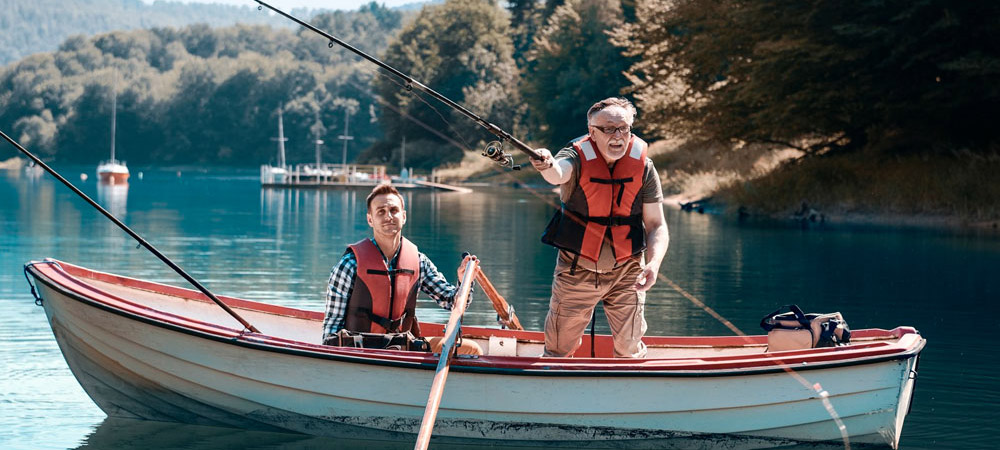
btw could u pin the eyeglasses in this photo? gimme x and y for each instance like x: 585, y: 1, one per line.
x: 610, y: 131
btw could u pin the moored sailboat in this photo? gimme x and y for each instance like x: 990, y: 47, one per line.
x: 278, y: 173
x: 113, y: 171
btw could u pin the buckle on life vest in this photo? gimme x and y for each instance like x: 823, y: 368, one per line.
x: 613, y: 181
x: 387, y: 324
x: 390, y: 272
x: 614, y: 221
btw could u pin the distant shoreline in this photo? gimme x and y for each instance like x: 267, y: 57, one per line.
x: 840, y: 219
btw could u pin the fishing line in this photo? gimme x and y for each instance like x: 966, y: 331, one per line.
x: 816, y: 387
x: 419, y: 97
x: 464, y: 147
x: 503, y: 135
x: 824, y: 396
x: 410, y: 82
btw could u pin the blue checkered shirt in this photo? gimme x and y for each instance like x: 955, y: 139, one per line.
x: 341, y: 285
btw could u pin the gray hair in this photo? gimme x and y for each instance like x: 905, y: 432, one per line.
x: 609, y: 102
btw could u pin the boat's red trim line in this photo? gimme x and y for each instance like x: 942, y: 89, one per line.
x: 64, y: 278
x: 189, y: 294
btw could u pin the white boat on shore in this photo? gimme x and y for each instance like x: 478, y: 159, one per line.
x: 152, y: 351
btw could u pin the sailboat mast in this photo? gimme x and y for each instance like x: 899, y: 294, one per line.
x: 346, y: 136
x: 281, y: 141
x: 319, y: 126
x: 114, y: 114
x: 318, y: 156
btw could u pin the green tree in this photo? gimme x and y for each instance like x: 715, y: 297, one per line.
x: 573, y: 64
x: 195, y: 94
x: 40, y: 25
x: 526, y: 18
x: 463, y: 51
x: 822, y: 76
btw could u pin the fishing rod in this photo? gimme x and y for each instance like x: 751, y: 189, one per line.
x: 494, y: 150
x: 135, y: 235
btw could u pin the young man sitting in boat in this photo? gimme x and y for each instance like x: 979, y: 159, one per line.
x: 373, y: 289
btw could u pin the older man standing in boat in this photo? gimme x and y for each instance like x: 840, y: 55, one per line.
x: 373, y: 289
x: 610, y: 231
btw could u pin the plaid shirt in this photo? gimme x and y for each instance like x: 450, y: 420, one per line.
x: 341, y: 286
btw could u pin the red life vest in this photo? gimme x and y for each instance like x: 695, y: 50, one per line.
x: 383, y: 300
x: 603, y: 203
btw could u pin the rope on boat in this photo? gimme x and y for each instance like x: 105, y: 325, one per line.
x: 34, y: 293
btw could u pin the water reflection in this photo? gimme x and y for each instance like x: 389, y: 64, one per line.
x: 114, y: 434
x: 125, y: 433
x: 278, y: 246
x: 33, y: 171
x: 114, y: 198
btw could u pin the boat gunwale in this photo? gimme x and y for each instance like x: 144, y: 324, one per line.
x: 715, y: 366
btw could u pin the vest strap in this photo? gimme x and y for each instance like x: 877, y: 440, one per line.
x: 614, y: 181
x: 634, y: 219
x: 611, y: 180
x: 390, y: 272
x: 390, y: 325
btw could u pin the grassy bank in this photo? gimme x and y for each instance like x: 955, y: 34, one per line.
x: 957, y: 189
x: 953, y: 190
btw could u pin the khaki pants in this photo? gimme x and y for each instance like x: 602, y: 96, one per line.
x: 574, y: 298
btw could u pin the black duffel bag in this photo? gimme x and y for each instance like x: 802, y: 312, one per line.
x: 795, y: 330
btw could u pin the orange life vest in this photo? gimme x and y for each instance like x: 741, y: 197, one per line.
x: 604, y: 203
x: 383, y: 300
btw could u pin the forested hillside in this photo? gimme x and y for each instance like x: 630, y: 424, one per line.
x: 33, y: 26
x: 895, y: 76
x: 196, y: 94
x: 871, y: 81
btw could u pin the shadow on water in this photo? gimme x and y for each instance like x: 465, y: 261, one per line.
x: 116, y: 434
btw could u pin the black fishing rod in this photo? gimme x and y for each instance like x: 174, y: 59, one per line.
x: 128, y: 230
x: 493, y: 150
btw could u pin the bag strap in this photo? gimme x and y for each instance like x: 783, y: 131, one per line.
x: 767, y: 323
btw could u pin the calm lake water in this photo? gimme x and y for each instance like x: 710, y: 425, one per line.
x: 278, y: 246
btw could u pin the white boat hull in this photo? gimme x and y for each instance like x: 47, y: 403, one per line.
x: 273, y: 175
x: 112, y: 172
x: 141, y: 367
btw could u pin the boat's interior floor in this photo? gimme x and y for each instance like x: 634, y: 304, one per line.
x: 306, y: 326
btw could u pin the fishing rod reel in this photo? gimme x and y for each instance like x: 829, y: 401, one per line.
x: 494, y: 151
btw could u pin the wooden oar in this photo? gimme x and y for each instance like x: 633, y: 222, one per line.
x: 441, y: 375
x: 504, y: 310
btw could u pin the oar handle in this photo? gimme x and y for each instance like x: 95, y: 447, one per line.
x: 441, y: 374
x: 499, y: 303
x: 501, y: 306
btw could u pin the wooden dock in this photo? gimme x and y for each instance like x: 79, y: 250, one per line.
x: 442, y: 186
x: 344, y: 176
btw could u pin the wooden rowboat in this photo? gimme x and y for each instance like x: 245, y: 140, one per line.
x: 152, y: 351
